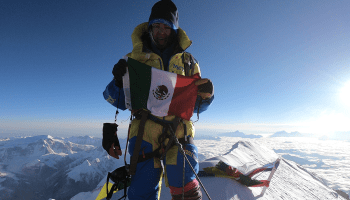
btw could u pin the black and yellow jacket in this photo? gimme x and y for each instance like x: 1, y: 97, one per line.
x: 142, y: 52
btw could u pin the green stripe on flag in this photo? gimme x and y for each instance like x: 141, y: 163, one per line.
x: 140, y: 82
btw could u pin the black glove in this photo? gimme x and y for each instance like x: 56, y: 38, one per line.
x: 109, y: 133
x: 118, y: 72
x: 207, y: 87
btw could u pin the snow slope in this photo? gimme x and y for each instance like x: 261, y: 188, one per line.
x: 291, y: 181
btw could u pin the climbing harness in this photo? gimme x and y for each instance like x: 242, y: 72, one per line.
x: 169, y: 127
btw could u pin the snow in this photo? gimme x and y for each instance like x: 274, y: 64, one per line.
x: 84, y: 169
x: 328, y: 159
x: 291, y: 180
x: 91, y: 194
x: 322, y: 165
x: 85, y: 140
x: 244, y: 156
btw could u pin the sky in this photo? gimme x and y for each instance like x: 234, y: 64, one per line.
x: 276, y: 65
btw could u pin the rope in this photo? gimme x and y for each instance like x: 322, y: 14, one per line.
x: 183, y: 180
x: 184, y: 155
x: 127, y: 141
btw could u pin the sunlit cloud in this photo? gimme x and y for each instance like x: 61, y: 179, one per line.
x: 248, y: 128
x: 327, y: 123
x: 344, y: 94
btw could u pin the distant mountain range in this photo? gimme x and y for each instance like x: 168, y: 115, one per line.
x: 335, y: 136
x: 206, y: 137
x: 228, y: 134
x: 43, y: 167
x: 291, y: 134
x: 238, y: 134
x: 339, y: 135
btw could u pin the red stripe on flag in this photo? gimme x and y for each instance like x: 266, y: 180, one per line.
x: 184, y: 98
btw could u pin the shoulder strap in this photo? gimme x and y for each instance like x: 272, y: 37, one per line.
x: 135, y: 155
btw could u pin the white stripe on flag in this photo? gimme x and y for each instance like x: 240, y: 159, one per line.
x: 161, y: 92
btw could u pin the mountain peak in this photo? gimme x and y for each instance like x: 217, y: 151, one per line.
x: 291, y: 134
x: 238, y: 134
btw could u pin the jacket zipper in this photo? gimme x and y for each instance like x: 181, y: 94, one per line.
x: 160, y: 63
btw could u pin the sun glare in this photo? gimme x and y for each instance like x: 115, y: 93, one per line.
x: 327, y: 123
x: 345, y: 94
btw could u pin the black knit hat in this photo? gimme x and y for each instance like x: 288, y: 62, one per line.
x: 165, y: 11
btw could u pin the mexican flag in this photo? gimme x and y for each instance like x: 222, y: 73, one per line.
x: 162, y: 93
